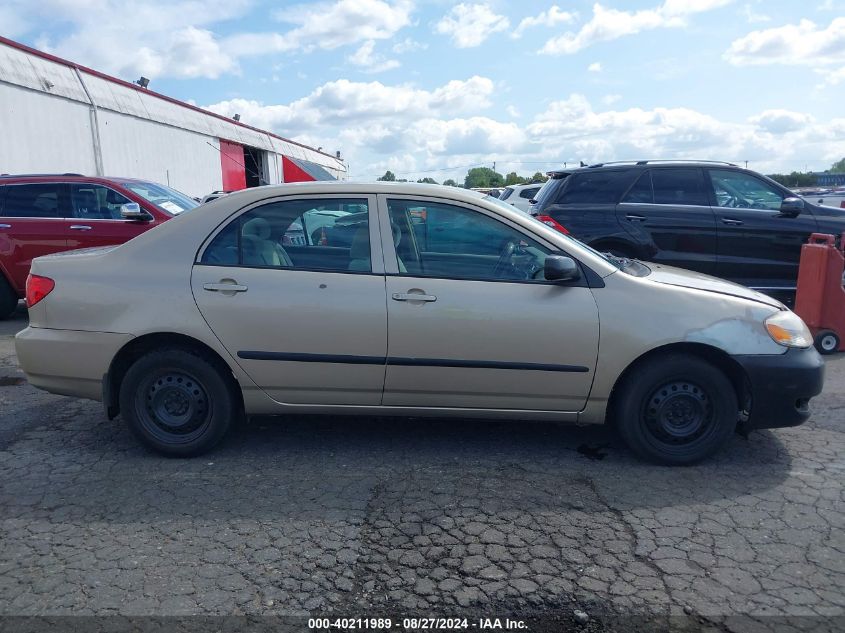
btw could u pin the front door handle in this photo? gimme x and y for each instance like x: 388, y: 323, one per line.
x: 80, y: 227
x: 731, y: 222
x: 225, y: 287
x: 635, y: 218
x: 5, y: 226
x: 412, y: 296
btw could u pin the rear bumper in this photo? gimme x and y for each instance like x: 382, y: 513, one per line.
x: 781, y: 387
x: 68, y: 362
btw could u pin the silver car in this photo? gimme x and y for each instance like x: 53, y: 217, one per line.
x: 411, y: 300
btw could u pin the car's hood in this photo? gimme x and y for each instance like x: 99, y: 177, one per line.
x: 688, y: 279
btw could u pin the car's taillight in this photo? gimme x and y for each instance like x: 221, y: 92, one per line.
x: 37, y: 287
x: 547, y: 219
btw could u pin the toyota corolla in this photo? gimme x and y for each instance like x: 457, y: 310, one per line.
x: 470, y: 309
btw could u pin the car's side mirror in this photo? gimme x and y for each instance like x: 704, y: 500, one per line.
x: 561, y: 268
x: 133, y: 211
x: 791, y: 207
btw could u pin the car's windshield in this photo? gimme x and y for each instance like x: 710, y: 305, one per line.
x: 168, y: 200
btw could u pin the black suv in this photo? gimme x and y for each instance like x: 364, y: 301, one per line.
x: 715, y: 218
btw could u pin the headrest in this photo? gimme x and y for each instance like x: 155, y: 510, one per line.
x: 257, y: 227
x: 360, y: 248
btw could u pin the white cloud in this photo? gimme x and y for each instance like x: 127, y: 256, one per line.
x: 346, y: 102
x: 370, y: 61
x: 781, y: 121
x: 470, y: 24
x: 174, y: 38
x: 610, y: 99
x: 752, y: 16
x: 552, y: 16
x: 595, y: 67
x: 804, y: 43
x: 513, y: 111
x: 610, y: 24
x: 409, y: 45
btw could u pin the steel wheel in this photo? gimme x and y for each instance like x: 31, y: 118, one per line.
x: 176, y: 407
x: 678, y: 413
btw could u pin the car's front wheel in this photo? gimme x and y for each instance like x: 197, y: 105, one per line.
x: 675, y: 409
x: 178, y: 402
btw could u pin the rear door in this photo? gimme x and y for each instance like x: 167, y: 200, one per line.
x: 471, y: 322
x: 758, y: 245
x: 307, y: 322
x: 668, y: 209
x: 96, y: 220
x: 33, y: 224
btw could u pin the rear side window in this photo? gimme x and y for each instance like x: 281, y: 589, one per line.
x: 595, y: 187
x: 331, y: 234
x: 506, y: 193
x: 679, y: 186
x: 34, y: 201
x: 529, y: 193
x: 642, y: 191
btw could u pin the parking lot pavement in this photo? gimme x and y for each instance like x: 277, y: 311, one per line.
x: 352, y: 516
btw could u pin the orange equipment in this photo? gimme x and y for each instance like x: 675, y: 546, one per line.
x: 820, y: 298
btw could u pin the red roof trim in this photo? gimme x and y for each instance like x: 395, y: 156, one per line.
x: 127, y: 84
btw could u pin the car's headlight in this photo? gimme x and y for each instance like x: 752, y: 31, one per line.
x: 786, y: 328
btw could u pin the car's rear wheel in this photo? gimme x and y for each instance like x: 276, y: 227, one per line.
x: 8, y: 299
x: 675, y: 409
x: 178, y: 402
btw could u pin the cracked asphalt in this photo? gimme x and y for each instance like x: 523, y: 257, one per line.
x: 359, y: 516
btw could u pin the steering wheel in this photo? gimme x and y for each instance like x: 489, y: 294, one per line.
x: 504, y: 258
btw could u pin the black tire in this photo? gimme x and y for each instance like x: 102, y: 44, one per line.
x: 675, y: 409
x: 178, y: 402
x: 8, y: 299
x: 827, y: 342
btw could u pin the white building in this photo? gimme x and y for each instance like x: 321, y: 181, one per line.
x: 57, y: 116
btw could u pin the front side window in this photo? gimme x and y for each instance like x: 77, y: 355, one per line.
x: 679, y: 185
x: 95, y: 202
x: 506, y: 193
x: 734, y: 189
x: 459, y: 243
x: 331, y: 235
x: 35, y: 200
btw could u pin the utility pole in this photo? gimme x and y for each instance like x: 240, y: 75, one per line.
x: 494, y: 165
x: 746, y: 164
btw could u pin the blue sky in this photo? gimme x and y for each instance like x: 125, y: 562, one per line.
x: 430, y: 88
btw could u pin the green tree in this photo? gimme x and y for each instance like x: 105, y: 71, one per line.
x: 483, y: 177
x: 514, y: 179
x: 388, y: 176
x: 837, y: 168
x: 795, y: 179
x: 539, y: 177
x: 428, y: 181
x: 450, y: 183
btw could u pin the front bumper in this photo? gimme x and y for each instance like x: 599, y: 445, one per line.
x: 781, y: 387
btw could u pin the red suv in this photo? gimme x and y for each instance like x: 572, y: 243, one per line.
x: 42, y: 214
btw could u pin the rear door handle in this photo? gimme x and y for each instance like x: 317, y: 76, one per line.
x: 731, y: 222
x: 221, y: 287
x: 412, y: 296
x: 5, y: 226
x: 635, y: 218
x: 80, y: 227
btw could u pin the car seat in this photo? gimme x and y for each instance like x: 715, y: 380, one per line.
x: 259, y: 249
x: 86, y: 205
x: 359, y: 251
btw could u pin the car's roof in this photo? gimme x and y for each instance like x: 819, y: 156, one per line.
x: 66, y: 177
x: 633, y: 164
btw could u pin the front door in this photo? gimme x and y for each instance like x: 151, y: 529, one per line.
x: 759, y: 246
x: 472, y: 323
x: 305, y: 318
x: 96, y: 219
